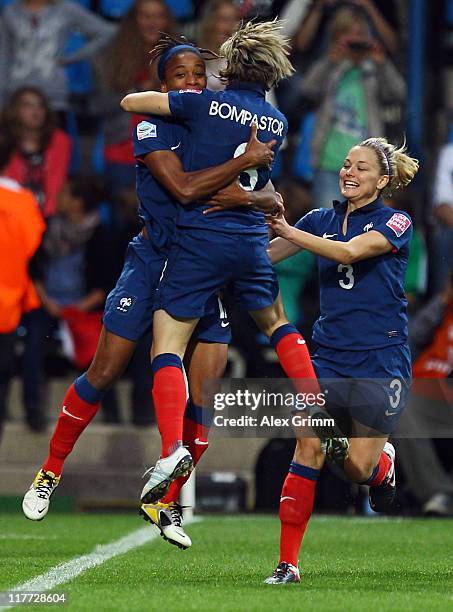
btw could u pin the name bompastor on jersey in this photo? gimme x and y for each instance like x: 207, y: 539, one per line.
x: 243, y: 116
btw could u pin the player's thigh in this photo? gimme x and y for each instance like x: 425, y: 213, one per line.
x: 197, y: 268
x: 129, y: 306
x: 171, y: 334
x: 255, y: 283
x: 271, y: 318
x: 381, y: 388
x: 112, y: 356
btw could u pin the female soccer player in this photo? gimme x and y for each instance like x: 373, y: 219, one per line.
x: 362, y: 247
x: 228, y: 247
x: 160, y: 147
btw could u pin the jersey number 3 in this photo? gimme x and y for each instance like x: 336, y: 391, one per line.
x: 348, y: 271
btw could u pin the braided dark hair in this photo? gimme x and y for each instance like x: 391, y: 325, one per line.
x: 167, y: 41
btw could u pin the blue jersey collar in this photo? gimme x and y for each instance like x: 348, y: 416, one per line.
x: 256, y: 87
x: 341, y: 207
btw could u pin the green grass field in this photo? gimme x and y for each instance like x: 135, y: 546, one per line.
x: 347, y: 564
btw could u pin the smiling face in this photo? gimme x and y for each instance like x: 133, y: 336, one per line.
x: 360, y: 176
x: 184, y: 70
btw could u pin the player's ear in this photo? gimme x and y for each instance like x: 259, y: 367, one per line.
x: 383, y: 181
x: 163, y: 87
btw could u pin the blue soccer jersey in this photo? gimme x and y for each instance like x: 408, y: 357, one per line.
x: 363, y: 305
x: 129, y: 307
x: 219, y: 124
x: 157, y: 207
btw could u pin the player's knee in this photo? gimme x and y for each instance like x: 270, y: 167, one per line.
x: 103, y: 376
x: 308, y: 452
x: 358, y: 469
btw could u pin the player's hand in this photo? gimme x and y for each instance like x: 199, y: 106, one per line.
x: 277, y: 208
x: 279, y: 225
x: 231, y: 196
x: 259, y: 153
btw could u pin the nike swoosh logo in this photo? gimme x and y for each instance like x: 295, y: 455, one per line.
x: 329, y: 235
x: 201, y: 442
x: 41, y: 511
x: 177, y: 146
x: 287, y: 497
x: 71, y: 415
x: 387, y: 413
x: 300, y: 341
x: 224, y: 324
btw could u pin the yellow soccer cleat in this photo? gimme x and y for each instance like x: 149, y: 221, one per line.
x: 168, y: 519
x: 37, y: 499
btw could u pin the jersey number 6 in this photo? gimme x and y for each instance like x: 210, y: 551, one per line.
x: 348, y: 271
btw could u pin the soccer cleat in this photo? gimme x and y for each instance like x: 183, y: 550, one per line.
x: 283, y: 574
x: 334, y: 444
x: 179, y: 463
x: 36, y: 501
x: 383, y: 496
x: 168, y: 518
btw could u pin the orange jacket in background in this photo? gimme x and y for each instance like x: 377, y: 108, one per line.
x: 21, y: 230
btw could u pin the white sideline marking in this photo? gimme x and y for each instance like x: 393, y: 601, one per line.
x: 63, y: 572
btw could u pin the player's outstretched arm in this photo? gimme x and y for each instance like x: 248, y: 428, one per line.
x: 187, y: 187
x: 280, y: 249
x: 147, y: 103
x: 265, y: 200
x: 370, y: 244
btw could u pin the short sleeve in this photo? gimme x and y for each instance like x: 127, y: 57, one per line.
x: 152, y: 135
x: 186, y: 103
x: 308, y: 222
x: 396, y: 227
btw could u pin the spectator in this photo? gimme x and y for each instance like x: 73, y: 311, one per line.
x: 21, y: 229
x: 73, y: 272
x: 348, y: 85
x: 442, y: 251
x: 219, y: 20
x: 321, y: 11
x: 34, y: 36
x: 42, y: 151
x: 125, y: 67
x: 430, y: 410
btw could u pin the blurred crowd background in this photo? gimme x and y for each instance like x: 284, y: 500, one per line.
x: 363, y: 68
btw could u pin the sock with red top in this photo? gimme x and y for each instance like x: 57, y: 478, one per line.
x: 79, y: 407
x: 170, y: 398
x: 296, y: 506
x: 380, y: 471
x: 197, y: 421
x: 294, y: 358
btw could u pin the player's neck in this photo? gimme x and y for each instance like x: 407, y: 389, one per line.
x: 356, y: 204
